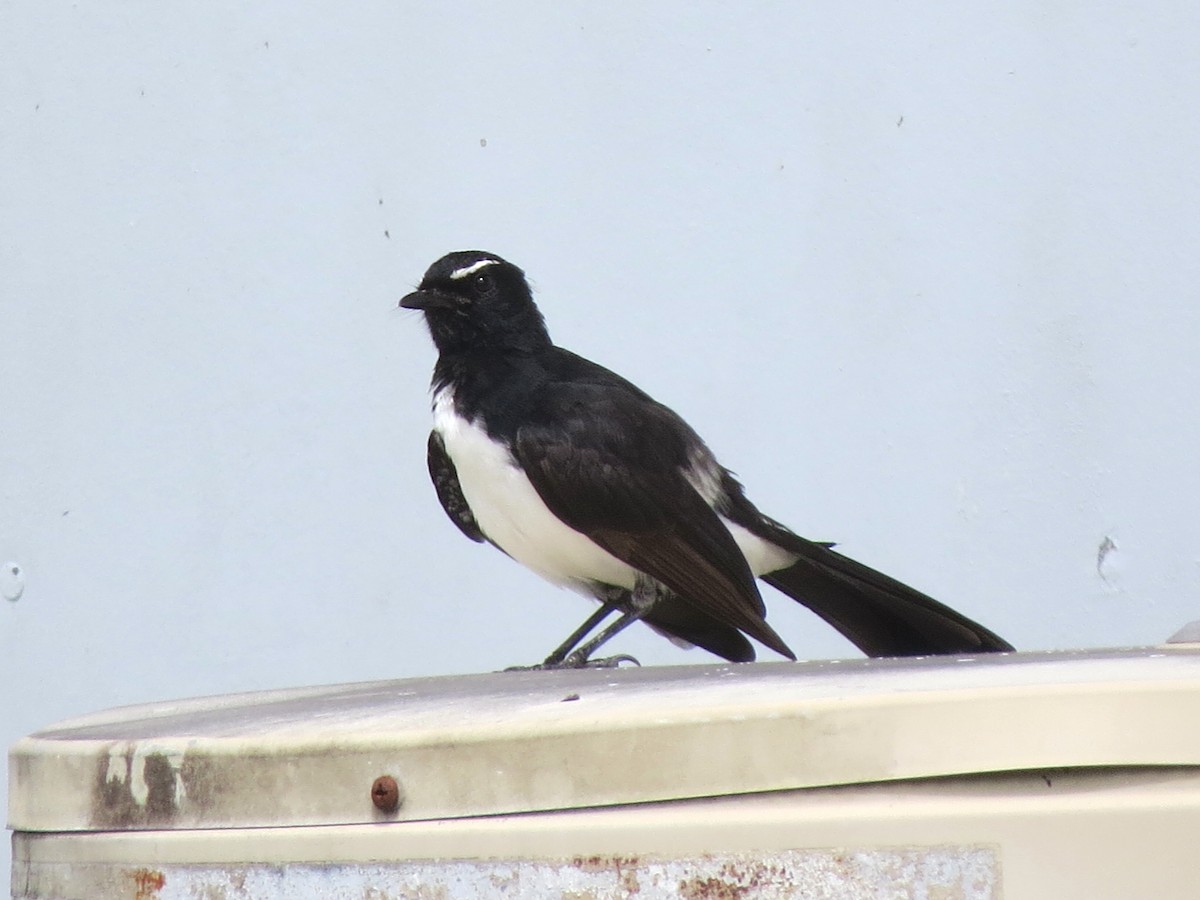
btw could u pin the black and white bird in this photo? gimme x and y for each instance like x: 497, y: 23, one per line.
x: 584, y: 478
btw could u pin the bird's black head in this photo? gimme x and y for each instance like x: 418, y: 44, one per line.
x: 474, y: 300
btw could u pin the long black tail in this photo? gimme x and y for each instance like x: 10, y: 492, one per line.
x: 880, y: 615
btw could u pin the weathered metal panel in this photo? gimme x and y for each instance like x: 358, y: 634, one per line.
x: 919, y: 873
x: 1100, y: 834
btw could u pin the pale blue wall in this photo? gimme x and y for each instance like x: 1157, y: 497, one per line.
x: 925, y: 275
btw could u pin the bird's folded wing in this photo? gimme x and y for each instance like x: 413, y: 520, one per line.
x: 644, y: 513
x: 685, y: 624
x: 449, y: 491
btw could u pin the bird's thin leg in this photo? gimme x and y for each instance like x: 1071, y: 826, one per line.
x: 555, y: 659
x: 645, y: 593
x: 582, y: 657
x: 580, y: 633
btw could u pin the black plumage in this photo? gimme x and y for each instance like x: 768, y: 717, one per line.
x: 583, y: 477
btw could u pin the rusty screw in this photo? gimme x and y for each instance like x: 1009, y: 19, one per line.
x: 385, y: 794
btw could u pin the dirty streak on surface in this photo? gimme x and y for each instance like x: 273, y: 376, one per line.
x: 114, y: 803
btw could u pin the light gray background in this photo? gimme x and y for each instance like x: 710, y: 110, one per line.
x: 924, y: 274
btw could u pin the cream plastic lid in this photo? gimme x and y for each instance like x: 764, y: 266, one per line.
x: 513, y: 742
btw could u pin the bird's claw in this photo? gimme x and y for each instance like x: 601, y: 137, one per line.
x: 577, y: 662
x: 604, y: 662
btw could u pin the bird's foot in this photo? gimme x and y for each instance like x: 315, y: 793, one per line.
x: 574, y: 661
x: 603, y: 662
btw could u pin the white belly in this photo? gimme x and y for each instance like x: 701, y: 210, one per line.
x: 512, y: 515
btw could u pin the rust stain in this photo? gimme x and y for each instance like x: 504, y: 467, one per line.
x: 711, y: 889
x: 735, y: 880
x: 603, y: 863
x: 147, y: 883
x: 626, y: 868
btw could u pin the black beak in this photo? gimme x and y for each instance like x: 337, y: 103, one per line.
x: 415, y: 300
x: 428, y: 300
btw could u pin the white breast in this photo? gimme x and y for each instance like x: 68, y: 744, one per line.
x: 510, y: 512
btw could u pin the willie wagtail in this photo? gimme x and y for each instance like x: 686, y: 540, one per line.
x: 585, y: 479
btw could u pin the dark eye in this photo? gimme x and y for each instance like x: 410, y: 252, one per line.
x: 483, y: 283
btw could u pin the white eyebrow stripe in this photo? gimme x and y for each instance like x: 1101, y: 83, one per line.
x: 467, y: 271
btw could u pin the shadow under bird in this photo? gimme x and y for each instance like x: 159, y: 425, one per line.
x: 584, y: 478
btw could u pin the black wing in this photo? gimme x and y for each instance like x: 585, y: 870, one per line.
x: 449, y: 491
x: 675, y: 618
x: 608, y: 463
